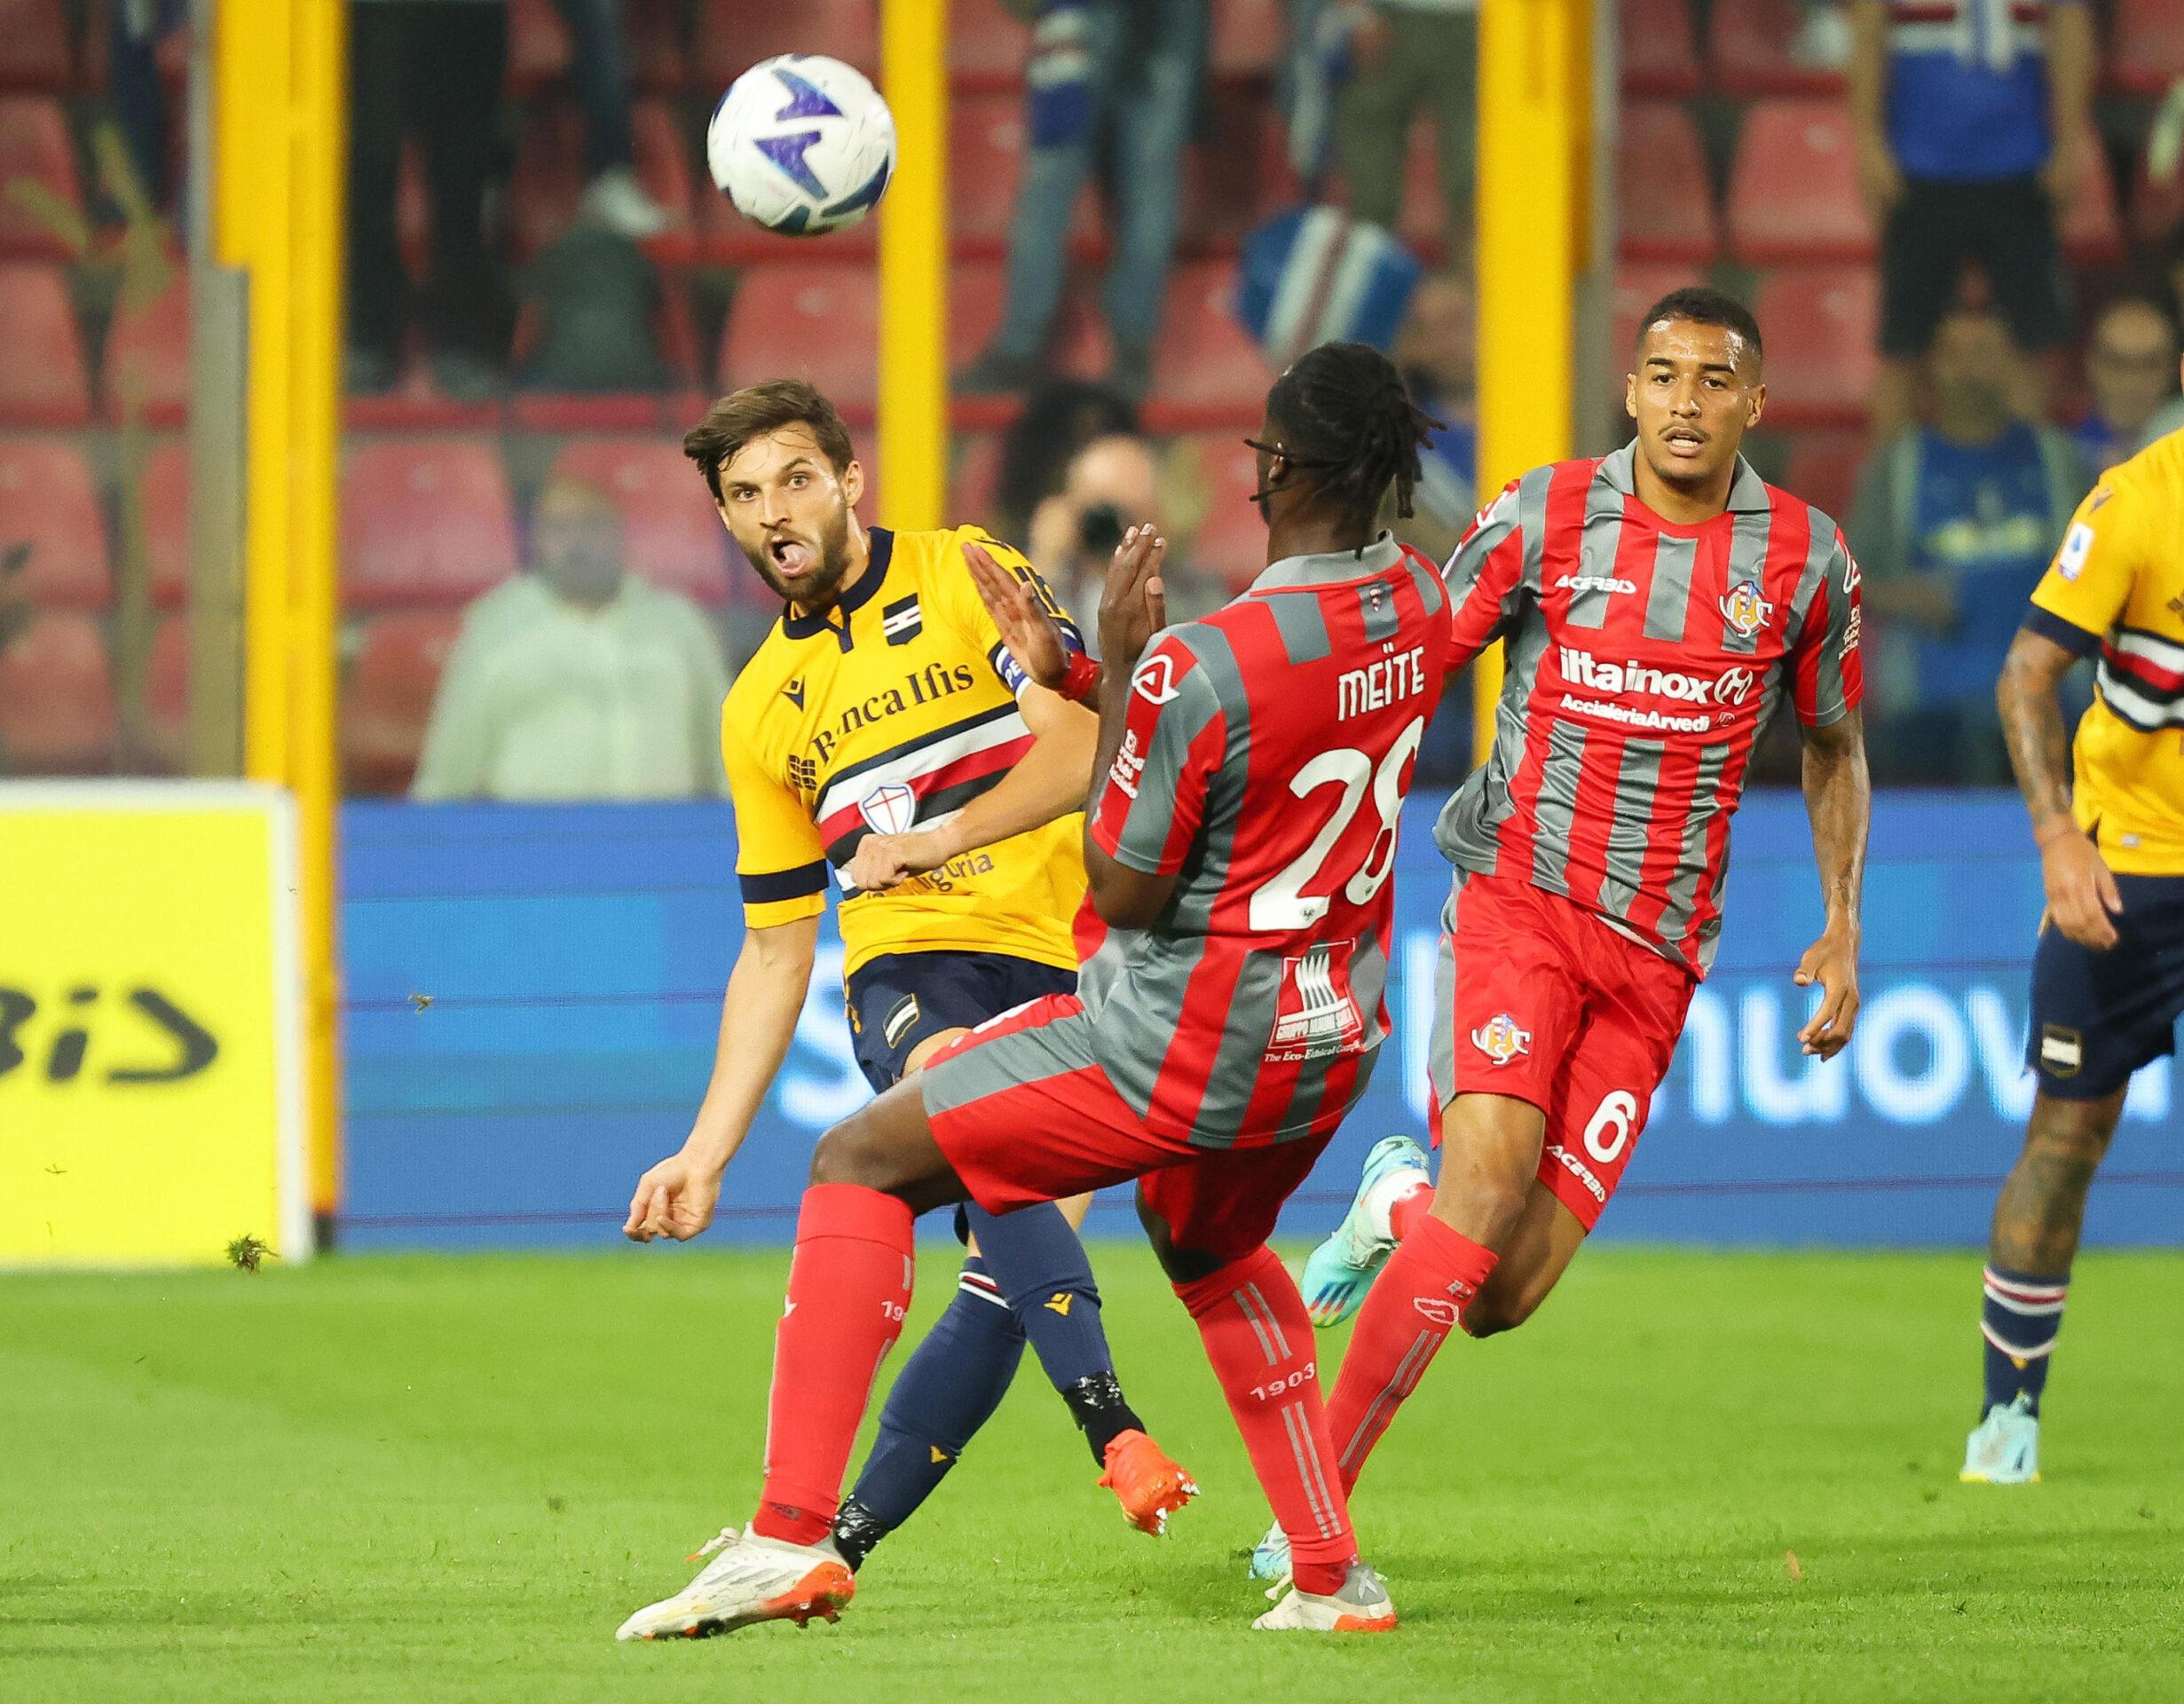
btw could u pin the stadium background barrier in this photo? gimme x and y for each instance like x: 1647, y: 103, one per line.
x: 152, y: 1082
x: 534, y: 991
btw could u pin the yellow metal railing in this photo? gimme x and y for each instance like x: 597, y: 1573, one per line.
x: 913, y: 268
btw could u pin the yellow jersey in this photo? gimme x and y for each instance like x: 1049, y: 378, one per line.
x: 2117, y: 588
x: 889, y: 712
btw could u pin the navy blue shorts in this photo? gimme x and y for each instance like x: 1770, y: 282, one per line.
x: 902, y: 998
x: 2098, y: 1016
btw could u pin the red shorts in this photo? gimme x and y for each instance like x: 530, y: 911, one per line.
x: 1024, y: 1114
x: 1538, y: 998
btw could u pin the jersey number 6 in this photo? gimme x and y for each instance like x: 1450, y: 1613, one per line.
x: 1282, y: 905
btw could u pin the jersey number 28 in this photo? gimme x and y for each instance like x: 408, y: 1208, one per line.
x: 1281, y: 903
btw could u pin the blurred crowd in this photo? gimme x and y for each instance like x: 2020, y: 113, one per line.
x: 536, y: 260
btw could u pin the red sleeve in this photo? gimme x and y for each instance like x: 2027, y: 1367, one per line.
x: 1153, y: 802
x: 1827, y: 668
x: 1484, y: 577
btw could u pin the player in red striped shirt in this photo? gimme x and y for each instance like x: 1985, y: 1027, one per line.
x: 1656, y: 607
x: 1239, y: 842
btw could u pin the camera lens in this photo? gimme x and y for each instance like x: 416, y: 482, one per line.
x: 1100, y: 529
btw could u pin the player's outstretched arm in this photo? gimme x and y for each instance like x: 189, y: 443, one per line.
x: 758, y: 1017
x: 1133, y: 609
x: 2082, y: 895
x: 1838, y: 798
x: 1028, y: 629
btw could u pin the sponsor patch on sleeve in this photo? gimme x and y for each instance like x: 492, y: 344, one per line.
x: 2070, y: 560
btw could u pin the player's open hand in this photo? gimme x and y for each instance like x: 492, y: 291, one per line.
x: 1133, y: 606
x: 675, y: 1198
x: 1832, y: 962
x: 2082, y: 895
x: 884, y: 861
x: 1029, y: 630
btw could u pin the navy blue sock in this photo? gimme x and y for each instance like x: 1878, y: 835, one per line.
x: 2020, y: 1317
x: 947, y: 1390
x: 1048, y: 1282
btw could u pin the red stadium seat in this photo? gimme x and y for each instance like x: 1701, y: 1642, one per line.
x: 387, y: 700
x: 986, y: 140
x: 57, y: 713
x: 1664, y: 203
x: 40, y: 351
x: 2091, y: 225
x: 672, y: 534
x: 1751, y: 51
x: 974, y: 486
x: 148, y: 357
x: 1241, y: 176
x: 1793, y: 191
x: 424, y: 521
x: 549, y: 179
x: 1821, y: 324
x: 538, y: 45
x: 1231, y: 540
x: 167, y: 521
x: 1637, y: 286
x: 2146, y: 46
x: 167, y: 693
x: 35, y: 149
x: 48, y: 501
x: 1206, y: 368
x: 34, y: 44
x: 658, y: 54
x: 1823, y: 469
x: 1248, y: 37
x: 986, y: 45
x: 734, y: 35
x: 814, y: 321
x: 1658, y: 59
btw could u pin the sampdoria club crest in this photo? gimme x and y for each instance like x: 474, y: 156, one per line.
x: 890, y: 809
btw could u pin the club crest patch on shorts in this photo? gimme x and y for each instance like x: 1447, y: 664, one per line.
x: 901, y: 1021
x: 2063, y: 1051
x: 1500, y: 1040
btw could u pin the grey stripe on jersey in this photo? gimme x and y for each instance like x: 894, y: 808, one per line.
x: 1599, y: 538
x: 1557, y: 809
x: 1304, y: 638
x: 1669, y: 604
x: 1825, y: 562
x: 1465, y: 830
x: 1008, y: 1061
x: 1431, y: 588
x: 1382, y: 619
x: 1691, y: 864
x: 1440, y: 1059
x: 1637, y: 785
x: 1748, y: 560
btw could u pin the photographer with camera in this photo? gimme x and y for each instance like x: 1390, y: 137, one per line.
x: 1110, y: 485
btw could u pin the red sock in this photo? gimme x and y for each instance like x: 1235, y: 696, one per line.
x: 1259, y: 1338
x: 849, y: 1289
x: 1413, y: 1306
x: 1408, y: 1209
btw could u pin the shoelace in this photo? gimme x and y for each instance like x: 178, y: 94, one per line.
x: 721, y: 1541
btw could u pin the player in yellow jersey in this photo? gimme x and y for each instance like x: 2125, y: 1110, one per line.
x: 882, y: 737
x: 2107, y: 980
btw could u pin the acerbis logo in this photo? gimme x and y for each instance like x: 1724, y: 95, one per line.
x: 1594, y: 583
x: 1582, y: 668
x: 160, y: 1044
x: 1154, y: 681
x: 1441, y: 1313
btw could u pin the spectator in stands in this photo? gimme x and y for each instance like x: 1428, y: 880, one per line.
x: 429, y: 70
x: 590, y: 302
x: 1972, y: 126
x: 1437, y: 352
x: 1111, y: 483
x: 577, y: 680
x: 139, y: 95
x: 599, y: 65
x: 1954, y: 524
x: 1112, y: 83
x: 2130, y: 368
x: 1405, y: 55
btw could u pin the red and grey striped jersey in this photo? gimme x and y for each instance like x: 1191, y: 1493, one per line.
x: 1264, y: 765
x: 1644, y: 659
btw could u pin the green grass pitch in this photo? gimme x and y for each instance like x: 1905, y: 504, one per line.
x: 448, y: 1479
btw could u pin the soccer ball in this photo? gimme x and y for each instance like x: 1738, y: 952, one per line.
x: 802, y: 145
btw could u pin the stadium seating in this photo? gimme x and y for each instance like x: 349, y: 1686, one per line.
x: 1248, y: 37
x: 424, y: 521
x: 987, y: 137
x: 671, y: 533
x: 539, y: 47
x: 2091, y: 225
x: 148, y: 357
x: 1821, y: 324
x: 1665, y: 209
x: 1823, y: 469
x: 975, y: 482
x: 1240, y: 176
x: 48, y: 501
x: 1750, y: 49
x: 387, y: 699
x: 34, y: 44
x: 35, y: 149
x: 1794, y: 192
x: 167, y: 694
x: 657, y: 53
x: 734, y: 35
x: 1231, y: 542
x: 1659, y: 60
x: 2156, y: 204
x: 548, y: 176
x: 987, y: 46
x: 167, y: 521
x: 2146, y: 46
x: 813, y: 321
x: 57, y: 714
x: 1207, y: 371
x: 42, y: 378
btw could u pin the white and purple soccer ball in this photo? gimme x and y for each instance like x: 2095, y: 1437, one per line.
x: 802, y: 145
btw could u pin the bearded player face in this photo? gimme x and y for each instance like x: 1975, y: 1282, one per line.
x: 1696, y: 389
x: 788, y: 507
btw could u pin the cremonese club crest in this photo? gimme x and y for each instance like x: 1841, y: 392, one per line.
x: 1500, y: 1040
x: 890, y: 809
x: 1745, y: 609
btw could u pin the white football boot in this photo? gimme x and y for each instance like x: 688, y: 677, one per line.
x: 1362, y: 1606
x: 2005, y: 1448
x: 749, y: 1579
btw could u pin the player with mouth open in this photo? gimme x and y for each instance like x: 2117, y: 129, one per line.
x: 1656, y: 606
